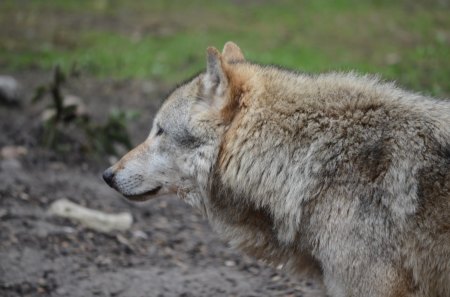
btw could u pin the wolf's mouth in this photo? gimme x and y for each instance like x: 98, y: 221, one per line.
x: 143, y: 196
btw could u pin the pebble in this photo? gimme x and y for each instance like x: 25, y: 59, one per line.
x: 9, y: 90
x: 12, y: 152
x: 9, y: 157
x: 230, y: 263
x: 140, y: 234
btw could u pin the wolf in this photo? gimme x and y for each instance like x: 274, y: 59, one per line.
x: 338, y: 175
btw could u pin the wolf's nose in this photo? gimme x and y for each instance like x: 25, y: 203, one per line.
x: 108, y: 176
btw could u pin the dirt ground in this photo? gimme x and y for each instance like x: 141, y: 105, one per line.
x: 169, y: 251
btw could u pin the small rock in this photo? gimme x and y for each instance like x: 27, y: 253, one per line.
x: 12, y: 152
x: 140, y: 234
x: 68, y: 230
x: 24, y: 196
x: 230, y: 263
x: 9, y: 157
x: 9, y: 90
x: 42, y: 281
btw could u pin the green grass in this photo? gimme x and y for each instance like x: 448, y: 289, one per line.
x: 166, y: 40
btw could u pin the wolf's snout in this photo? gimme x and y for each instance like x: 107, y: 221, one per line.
x: 108, y: 177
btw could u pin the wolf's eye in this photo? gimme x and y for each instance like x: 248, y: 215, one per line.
x: 159, y: 130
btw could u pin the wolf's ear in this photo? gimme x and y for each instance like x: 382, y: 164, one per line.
x: 219, y: 91
x: 213, y: 87
x: 215, y: 81
x: 232, y: 53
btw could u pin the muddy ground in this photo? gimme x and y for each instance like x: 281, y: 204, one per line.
x: 169, y: 251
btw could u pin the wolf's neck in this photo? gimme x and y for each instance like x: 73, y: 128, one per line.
x: 201, y: 169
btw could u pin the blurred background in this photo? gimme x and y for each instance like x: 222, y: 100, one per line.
x: 80, y: 82
x: 407, y: 41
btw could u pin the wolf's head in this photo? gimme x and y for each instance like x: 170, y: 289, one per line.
x: 181, y: 150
